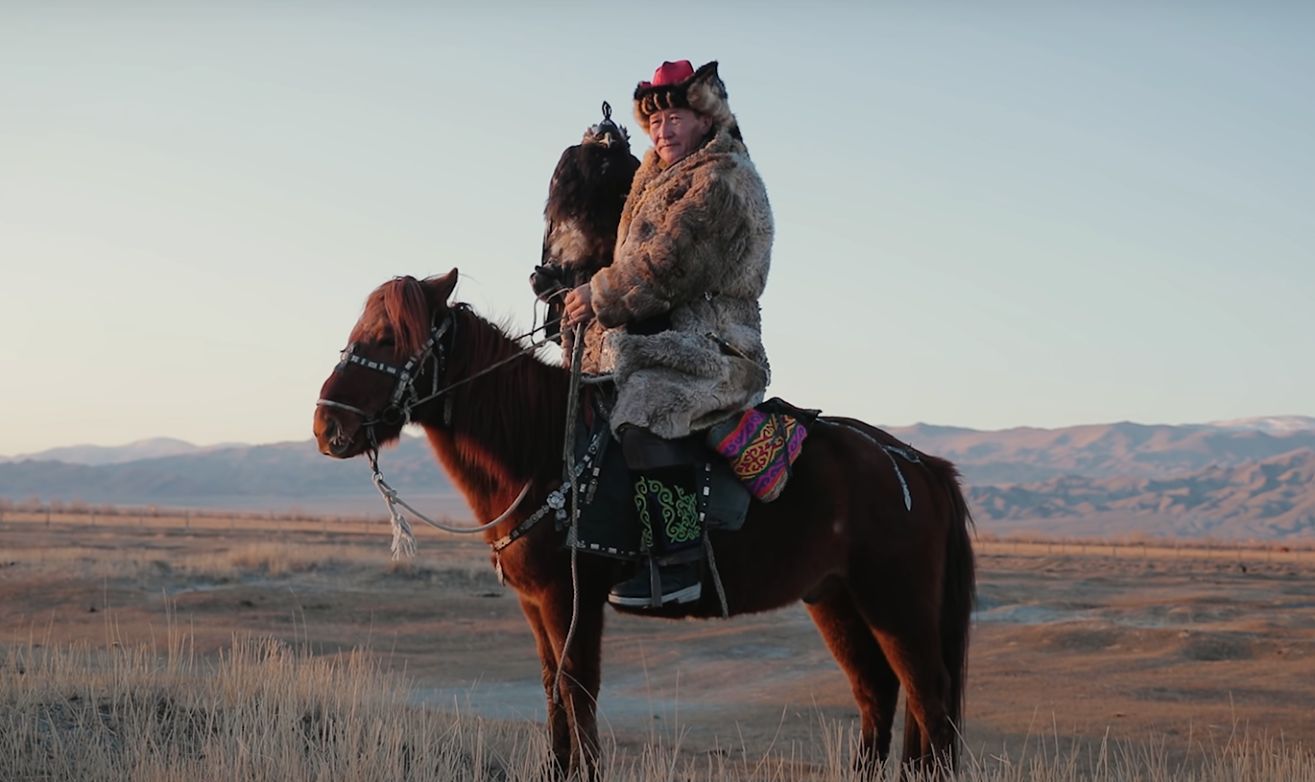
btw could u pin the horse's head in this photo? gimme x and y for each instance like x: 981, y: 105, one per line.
x: 393, y: 360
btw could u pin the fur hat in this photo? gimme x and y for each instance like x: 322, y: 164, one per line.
x: 676, y: 85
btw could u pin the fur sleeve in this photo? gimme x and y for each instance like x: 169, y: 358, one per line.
x: 663, y: 266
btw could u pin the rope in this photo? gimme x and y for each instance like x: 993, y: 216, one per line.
x: 404, y: 543
x: 404, y: 539
x: 568, y: 460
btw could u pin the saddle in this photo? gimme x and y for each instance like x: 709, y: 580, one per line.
x: 732, y: 461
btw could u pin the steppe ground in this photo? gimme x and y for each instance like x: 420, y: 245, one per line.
x: 1072, y: 644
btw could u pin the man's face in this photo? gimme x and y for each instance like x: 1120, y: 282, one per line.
x: 677, y: 132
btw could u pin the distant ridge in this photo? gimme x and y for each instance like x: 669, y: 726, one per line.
x: 1029, y: 455
x: 116, y: 454
x: 1271, y: 499
x: 279, y: 475
x: 1251, y: 478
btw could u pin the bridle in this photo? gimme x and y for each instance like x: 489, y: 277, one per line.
x: 404, y: 398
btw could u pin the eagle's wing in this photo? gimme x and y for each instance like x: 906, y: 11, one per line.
x: 566, y: 240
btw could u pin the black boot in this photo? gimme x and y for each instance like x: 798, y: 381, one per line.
x: 675, y: 584
x: 672, y: 534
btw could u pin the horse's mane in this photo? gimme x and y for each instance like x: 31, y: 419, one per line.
x: 518, y: 408
x: 399, y: 306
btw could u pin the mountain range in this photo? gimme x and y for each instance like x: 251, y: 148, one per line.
x: 1125, y: 449
x: 278, y: 476
x: 1252, y: 478
x: 103, y: 454
x: 1269, y: 499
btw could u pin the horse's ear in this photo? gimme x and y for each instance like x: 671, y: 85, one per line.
x: 441, y: 287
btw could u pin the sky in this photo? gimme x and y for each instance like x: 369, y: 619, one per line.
x: 1039, y: 214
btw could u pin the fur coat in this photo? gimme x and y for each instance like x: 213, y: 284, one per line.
x: 693, y: 250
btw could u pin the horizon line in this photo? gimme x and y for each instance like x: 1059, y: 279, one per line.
x: 1237, y: 422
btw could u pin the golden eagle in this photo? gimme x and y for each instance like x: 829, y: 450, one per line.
x: 585, y: 197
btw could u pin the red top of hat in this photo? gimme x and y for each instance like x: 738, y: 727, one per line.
x: 669, y: 73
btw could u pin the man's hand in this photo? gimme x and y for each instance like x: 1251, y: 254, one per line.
x: 579, y: 308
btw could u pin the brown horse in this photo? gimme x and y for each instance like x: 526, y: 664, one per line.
x: 880, y: 553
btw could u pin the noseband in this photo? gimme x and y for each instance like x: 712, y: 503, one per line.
x: 404, y: 399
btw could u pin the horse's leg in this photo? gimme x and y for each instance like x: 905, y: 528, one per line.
x: 581, y: 666
x: 559, y: 732
x: 916, y: 744
x: 915, y: 653
x: 908, y: 631
x: 875, y: 686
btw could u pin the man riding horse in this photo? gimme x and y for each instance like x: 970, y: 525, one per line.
x: 872, y: 534
x: 675, y: 318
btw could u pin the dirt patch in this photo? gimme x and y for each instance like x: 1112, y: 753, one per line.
x: 1211, y: 647
x: 1085, y: 639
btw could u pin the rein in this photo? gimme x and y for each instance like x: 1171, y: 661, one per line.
x: 572, y: 477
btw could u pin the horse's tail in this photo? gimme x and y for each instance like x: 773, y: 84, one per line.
x: 959, y: 592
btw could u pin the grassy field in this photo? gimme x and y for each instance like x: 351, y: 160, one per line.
x: 263, y: 711
x: 167, y: 647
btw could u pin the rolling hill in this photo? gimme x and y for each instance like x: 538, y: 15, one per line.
x: 1236, y: 479
x: 1027, y: 455
x: 277, y: 476
x: 1270, y: 499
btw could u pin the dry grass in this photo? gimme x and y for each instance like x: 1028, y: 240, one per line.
x: 267, y: 559
x: 264, y: 711
x: 231, y: 560
x: 200, y: 706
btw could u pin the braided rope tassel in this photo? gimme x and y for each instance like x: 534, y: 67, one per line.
x: 404, y: 539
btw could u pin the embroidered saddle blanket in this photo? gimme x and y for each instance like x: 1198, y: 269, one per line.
x: 761, y: 446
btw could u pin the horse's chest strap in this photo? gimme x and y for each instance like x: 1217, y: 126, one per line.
x: 554, y: 504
